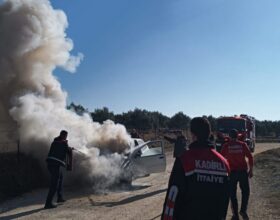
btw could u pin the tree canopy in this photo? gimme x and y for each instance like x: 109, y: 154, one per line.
x: 147, y: 120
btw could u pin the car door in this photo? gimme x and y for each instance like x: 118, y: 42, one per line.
x: 150, y: 157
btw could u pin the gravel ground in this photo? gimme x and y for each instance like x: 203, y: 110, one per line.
x: 143, y: 200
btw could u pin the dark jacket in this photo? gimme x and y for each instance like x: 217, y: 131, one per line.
x: 198, y: 186
x: 180, y: 144
x: 58, y: 151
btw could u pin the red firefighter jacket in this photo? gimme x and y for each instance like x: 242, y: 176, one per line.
x: 236, y: 152
x: 198, y: 187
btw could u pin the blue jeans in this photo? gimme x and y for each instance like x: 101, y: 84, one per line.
x: 56, y: 182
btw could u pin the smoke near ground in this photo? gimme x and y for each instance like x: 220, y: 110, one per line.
x: 33, y: 43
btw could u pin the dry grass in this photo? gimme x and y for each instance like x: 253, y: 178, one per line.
x: 267, y: 173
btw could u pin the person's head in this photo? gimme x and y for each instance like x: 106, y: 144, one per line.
x: 63, y: 134
x: 200, y: 128
x: 233, y: 133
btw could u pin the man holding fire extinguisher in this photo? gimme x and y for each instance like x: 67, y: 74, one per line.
x: 60, y: 154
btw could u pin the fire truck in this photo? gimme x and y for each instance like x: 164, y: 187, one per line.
x: 244, y: 124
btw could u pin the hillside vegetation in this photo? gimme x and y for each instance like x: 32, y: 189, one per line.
x: 267, y: 173
x: 144, y: 120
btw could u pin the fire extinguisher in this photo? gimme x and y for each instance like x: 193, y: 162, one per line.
x: 69, y: 160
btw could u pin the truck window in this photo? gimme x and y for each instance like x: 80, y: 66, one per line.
x: 225, y: 125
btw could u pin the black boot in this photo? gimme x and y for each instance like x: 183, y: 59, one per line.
x: 235, y: 217
x: 60, y: 200
x: 49, y: 206
x: 244, y: 215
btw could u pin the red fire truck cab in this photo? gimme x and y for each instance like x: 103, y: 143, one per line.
x: 244, y: 124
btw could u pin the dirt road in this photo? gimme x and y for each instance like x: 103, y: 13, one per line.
x: 141, y: 201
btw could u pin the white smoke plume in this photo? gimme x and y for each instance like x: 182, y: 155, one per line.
x: 33, y: 43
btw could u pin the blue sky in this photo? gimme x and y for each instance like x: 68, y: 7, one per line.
x: 218, y: 57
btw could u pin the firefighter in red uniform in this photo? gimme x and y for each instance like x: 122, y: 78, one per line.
x: 57, y: 158
x: 236, y: 152
x: 198, y: 187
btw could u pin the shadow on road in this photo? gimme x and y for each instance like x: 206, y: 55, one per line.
x: 38, y: 197
x: 19, y: 215
x: 126, y: 200
x: 156, y: 217
x: 128, y: 187
x: 28, y: 199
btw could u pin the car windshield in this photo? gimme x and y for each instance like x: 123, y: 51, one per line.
x: 136, y: 142
x: 225, y: 125
x: 152, y: 148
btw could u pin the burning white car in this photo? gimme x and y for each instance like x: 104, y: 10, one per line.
x: 143, y: 159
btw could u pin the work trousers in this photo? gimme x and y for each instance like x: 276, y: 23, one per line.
x: 240, y: 177
x: 56, y: 182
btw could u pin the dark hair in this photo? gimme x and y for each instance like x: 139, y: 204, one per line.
x: 200, y: 127
x: 233, y: 133
x: 63, y: 133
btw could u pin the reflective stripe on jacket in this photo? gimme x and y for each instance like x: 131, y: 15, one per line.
x: 56, y: 160
x: 58, y: 151
x: 198, y: 186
